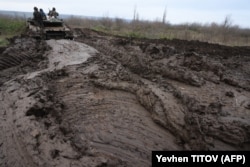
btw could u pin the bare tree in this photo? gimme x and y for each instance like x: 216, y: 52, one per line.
x: 164, y: 15
x: 135, y: 12
x: 227, y: 22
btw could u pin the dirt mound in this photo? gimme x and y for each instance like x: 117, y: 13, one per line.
x: 103, y: 100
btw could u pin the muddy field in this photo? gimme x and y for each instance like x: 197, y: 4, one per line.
x: 104, y: 100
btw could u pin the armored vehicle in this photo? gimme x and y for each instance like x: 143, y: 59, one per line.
x: 52, y: 28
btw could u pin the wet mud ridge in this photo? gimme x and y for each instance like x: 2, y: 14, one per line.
x: 104, y: 100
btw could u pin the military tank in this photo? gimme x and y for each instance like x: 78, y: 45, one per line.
x: 51, y: 28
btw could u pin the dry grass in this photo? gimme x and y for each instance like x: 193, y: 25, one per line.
x: 224, y: 33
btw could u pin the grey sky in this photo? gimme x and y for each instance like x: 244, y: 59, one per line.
x: 178, y: 11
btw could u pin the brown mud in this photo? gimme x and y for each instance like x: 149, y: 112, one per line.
x: 104, y: 100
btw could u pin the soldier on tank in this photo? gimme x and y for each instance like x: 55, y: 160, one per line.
x: 37, y: 17
x: 53, y: 13
x: 43, y: 14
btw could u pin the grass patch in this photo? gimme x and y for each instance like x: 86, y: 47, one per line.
x: 9, y: 27
x: 3, y: 42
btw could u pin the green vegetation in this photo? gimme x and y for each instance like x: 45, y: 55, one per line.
x: 9, y: 27
x: 224, y: 33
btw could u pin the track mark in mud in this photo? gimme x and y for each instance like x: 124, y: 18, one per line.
x: 170, y: 67
x: 65, y: 53
x: 112, y: 122
x: 34, y: 111
x: 23, y: 49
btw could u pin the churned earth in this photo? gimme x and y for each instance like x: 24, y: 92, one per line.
x: 103, y: 100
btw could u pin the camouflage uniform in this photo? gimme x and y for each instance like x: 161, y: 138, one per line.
x: 53, y: 13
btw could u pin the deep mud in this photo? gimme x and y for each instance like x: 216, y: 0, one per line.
x: 103, y: 100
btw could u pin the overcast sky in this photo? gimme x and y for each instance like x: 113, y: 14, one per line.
x: 178, y: 11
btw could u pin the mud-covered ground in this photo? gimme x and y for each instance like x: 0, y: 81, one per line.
x: 103, y: 100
